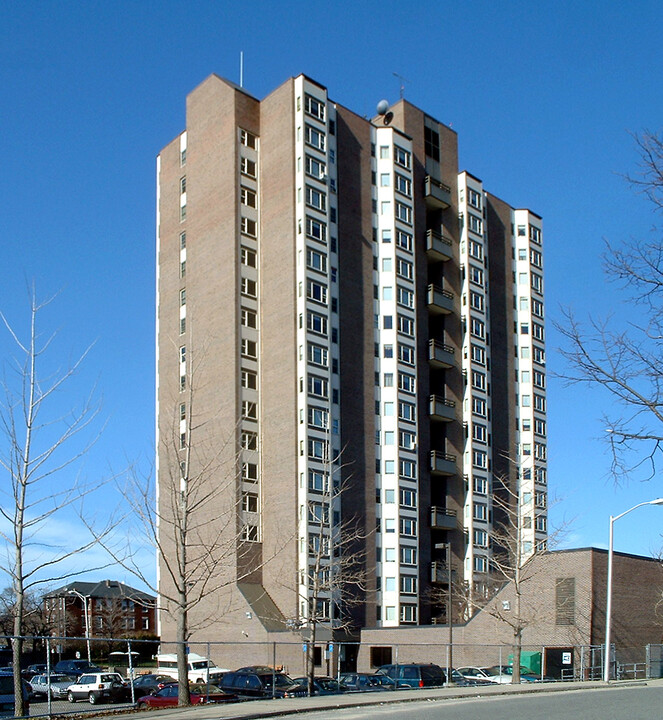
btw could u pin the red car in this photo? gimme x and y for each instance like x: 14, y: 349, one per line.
x: 200, y: 694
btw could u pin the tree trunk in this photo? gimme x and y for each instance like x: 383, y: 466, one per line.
x: 517, y: 647
x: 184, y: 696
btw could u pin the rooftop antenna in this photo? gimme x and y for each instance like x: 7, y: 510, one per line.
x: 241, y: 68
x: 402, y: 83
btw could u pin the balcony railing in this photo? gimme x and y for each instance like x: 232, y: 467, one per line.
x: 440, y: 301
x: 442, y: 463
x: 438, y: 195
x: 441, y: 355
x: 440, y: 574
x: 438, y: 246
x: 443, y: 519
x: 440, y: 408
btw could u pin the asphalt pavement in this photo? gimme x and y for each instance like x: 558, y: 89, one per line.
x: 286, y: 706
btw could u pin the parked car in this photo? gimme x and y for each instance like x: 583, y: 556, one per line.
x: 99, y: 687
x: 7, y: 698
x: 414, y: 674
x: 322, y: 685
x: 39, y: 669
x: 483, y: 674
x: 200, y: 694
x: 148, y: 684
x: 58, y: 684
x: 75, y: 667
x: 261, y: 681
x: 365, y: 682
x: 200, y: 669
x: 506, y: 673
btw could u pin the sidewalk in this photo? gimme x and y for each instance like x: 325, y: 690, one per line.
x: 255, y: 709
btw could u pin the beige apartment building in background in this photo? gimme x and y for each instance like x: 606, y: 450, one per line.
x: 364, y: 328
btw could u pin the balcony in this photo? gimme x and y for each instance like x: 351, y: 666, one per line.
x: 441, y: 409
x: 440, y: 302
x: 439, y: 573
x: 438, y: 246
x: 442, y: 518
x: 442, y: 463
x: 440, y: 355
x: 438, y: 195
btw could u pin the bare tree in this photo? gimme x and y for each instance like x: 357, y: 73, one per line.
x: 336, y: 575
x: 39, y: 446
x: 625, y: 358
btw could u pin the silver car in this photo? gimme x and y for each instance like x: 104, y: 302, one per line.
x: 58, y: 686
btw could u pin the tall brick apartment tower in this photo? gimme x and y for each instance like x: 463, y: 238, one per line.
x: 362, y: 323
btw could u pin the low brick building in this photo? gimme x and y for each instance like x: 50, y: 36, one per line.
x: 563, y: 609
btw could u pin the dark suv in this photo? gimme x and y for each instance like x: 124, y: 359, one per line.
x: 414, y: 675
x: 75, y: 667
x: 261, y: 681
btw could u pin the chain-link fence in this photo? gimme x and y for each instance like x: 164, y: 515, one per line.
x: 50, y: 663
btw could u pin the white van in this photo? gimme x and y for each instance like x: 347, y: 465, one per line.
x: 200, y: 669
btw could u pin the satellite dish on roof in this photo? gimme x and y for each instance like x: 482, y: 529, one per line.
x: 382, y: 108
x: 388, y: 118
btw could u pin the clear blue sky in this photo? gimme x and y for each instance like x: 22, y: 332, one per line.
x: 542, y: 94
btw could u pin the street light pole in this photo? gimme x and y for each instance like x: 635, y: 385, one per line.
x: 608, y: 604
x: 84, y: 598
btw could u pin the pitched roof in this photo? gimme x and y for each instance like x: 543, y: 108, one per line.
x: 103, y: 589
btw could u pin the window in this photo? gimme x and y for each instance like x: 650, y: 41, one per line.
x: 480, y: 564
x: 314, y: 137
x: 406, y: 354
x: 538, y: 355
x: 318, y: 513
x: 249, y: 440
x: 476, y: 275
x: 537, y: 308
x: 522, y: 231
x: 183, y: 269
x: 478, y: 380
x: 182, y: 241
x: 408, y: 498
x: 407, y: 440
x: 537, y: 331
x: 316, y: 260
x: 480, y: 538
x: 408, y: 556
x: 314, y: 107
x: 249, y: 410
x: 249, y: 227
x: 478, y: 354
x: 526, y: 400
x: 535, y: 234
x: 476, y: 249
x: 315, y: 168
x: 404, y: 240
x: 404, y: 268
x: 406, y: 325
x: 540, y: 451
x: 247, y: 167
x: 537, y: 282
x: 406, y: 382
x: 403, y: 185
x: 390, y: 525
x: 479, y: 433
x: 318, y: 387
x: 249, y: 502
x: 535, y: 258
x: 316, y: 481
x: 408, y: 527
x: 248, y: 139
x: 479, y: 407
x: 432, y: 143
x: 249, y: 472
x: 402, y: 157
x: 318, y: 355
x: 249, y: 287
x: 249, y: 348
x: 408, y: 585
x: 182, y: 213
x: 385, y: 179
x: 249, y: 379
x: 405, y: 297
x: 476, y: 223
x: 316, y: 199
x: 539, y: 379
x: 407, y: 411
x: 404, y: 213
x: 384, y: 152
x: 477, y: 328
x: 480, y: 485
x: 248, y: 257
x: 248, y: 197
x: 316, y: 449
x: 474, y: 198
x: 480, y: 511
x: 408, y: 469
x: 316, y: 323
x: 182, y: 297
x: 539, y: 403
x: 388, y: 467
x: 541, y: 523
x: 250, y: 533
x: 183, y: 354
x: 316, y: 291
x: 248, y: 318
x: 480, y: 459
x: 522, y: 254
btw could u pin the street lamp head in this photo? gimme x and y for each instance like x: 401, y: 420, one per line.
x: 658, y: 501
